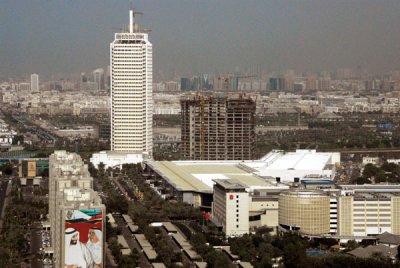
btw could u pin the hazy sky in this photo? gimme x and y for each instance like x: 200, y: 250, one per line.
x: 70, y: 36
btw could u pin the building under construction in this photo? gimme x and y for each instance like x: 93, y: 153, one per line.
x: 218, y: 127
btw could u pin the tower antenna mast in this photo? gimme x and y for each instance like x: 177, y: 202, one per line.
x: 132, y: 23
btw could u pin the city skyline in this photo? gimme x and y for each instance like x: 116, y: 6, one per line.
x: 203, y: 37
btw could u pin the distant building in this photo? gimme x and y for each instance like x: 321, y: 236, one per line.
x: 34, y: 82
x: 218, y: 128
x: 371, y: 160
x: 104, y: 132
x: 277, y: 84
x: 33, y: 167
x: 172, y: 86
x: 195, y: 83
x: 98, y: 78
x: 185, y: 84
x: 23, y: 86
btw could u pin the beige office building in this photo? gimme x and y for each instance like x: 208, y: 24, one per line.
x: 74, y: 209
x: 352, y: 211
x: 365, y: 214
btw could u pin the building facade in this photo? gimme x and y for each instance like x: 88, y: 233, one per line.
x: 131, y: 91
x: 306, y: 211
x: 242, y: 205
x: 231, y: 207
x: 351, y: 211
x: 75, y: 213
x: 218, y: 128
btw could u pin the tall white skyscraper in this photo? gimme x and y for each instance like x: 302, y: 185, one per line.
x: 34, y: 82
x: 131, y: 70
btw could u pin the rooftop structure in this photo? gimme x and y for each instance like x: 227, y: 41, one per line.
x: 115, y: 159
x: 296, y: 166
x: 368, y: 252
x: 147, y: 248
x: 192, y: 181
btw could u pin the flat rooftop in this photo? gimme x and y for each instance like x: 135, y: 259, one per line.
x: 198, y: 176
x: 298, y: 160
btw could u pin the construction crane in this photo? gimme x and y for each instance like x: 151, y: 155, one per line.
x: 133, y: 26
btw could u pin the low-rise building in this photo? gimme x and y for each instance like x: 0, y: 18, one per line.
x: 349, y: 211
x: 242, y: 205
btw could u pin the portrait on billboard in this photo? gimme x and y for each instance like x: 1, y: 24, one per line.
x: 83, y: 239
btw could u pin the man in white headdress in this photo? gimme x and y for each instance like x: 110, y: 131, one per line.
x: 76, y: 253
x: 95, y: 246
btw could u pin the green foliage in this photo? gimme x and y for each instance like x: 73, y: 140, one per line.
x: 19, y: 214
x: 367, y: 242
x: 351, y: 244
x: 362, y: 180
x: 128, y: 261
x: 388, y: 172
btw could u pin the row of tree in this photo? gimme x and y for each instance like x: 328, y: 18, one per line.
x: 19, y: 215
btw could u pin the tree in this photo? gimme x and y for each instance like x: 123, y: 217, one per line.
x: 128, y: 261
x: 370, y: 171
x: 362, y: 180
x: 351, y: 244
x: 367, y: 242
x: 217, y: 259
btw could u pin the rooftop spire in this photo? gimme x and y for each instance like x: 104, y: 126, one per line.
x: 133, y: 27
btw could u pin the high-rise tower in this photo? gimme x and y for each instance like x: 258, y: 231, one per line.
x: 218, y: 127
x: 131, y: 74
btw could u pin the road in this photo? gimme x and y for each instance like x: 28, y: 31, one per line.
x: 3, y: 193
x: 36, y: 244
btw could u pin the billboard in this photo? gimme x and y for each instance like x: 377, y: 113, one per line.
x: 83, y: 239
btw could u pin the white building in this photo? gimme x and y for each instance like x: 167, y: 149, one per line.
x: 242, y: 204
x: 98, y: 78
x: 131, y: 91
x: 370, y: 160
x: 296, y: 166
x: 115, y: 159
x: 35, y: 82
